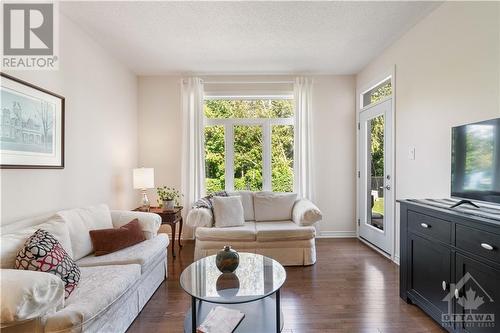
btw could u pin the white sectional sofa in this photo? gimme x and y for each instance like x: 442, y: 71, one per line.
x: 112, y: 289
x: 286, y: 234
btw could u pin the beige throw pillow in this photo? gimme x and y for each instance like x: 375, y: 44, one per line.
x: 228, y: 212
x: 273, y: 206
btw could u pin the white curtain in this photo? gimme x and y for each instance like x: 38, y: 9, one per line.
x: 193, y: 159
x: 303, y: 145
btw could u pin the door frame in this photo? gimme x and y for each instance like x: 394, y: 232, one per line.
x: 383, y: 239
x: 360, y: 89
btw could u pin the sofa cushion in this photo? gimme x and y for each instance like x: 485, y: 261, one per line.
x: 283, y: 231
x: 273, y: 206
x: 29, y: 294
x: 228, y: 212
x: 143, y: 254
x: 42, y: 252
x: 99, y: 288
x: 11, y: 242
x: 247, y: 201
x: 245, y: 232
x: 80, y: 221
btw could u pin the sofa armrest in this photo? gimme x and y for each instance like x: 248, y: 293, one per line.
x: 27, y: 295
x: 150, y: 222
x: 200, y: 217
x: 305, y: 213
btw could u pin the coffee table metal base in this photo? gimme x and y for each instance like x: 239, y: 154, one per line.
x: 260, y: 316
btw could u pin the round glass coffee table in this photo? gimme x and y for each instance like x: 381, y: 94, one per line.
x: 249, y: 289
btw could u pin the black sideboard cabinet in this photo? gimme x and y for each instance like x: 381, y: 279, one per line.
x: 450, y: 266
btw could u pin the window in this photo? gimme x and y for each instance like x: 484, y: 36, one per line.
x: 377, y: 93
x: 249, y: 144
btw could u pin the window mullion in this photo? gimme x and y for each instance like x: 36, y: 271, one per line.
x: 229, y: 160
x: 266, y: 167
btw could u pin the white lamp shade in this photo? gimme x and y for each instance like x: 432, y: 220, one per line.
x: 144, y: 178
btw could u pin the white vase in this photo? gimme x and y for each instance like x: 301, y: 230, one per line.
x: 168, y: 205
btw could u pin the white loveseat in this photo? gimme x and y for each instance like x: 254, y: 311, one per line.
x: 113, y: 288
x: 286, y: 234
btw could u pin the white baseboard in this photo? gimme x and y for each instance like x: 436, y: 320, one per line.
x: 322, y: 234
x: 337, y: 234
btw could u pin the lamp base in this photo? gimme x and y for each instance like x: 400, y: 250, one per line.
x: 145, y: 201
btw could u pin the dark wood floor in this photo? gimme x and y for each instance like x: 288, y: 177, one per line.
x: 351, y: 288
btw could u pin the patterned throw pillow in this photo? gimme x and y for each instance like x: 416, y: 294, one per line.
x: 208, y: 202
x: 42, y: 252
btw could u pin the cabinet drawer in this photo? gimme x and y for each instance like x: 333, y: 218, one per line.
x: 429, y: 226
x: 478, y: 242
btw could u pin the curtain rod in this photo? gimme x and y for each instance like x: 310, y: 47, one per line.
x: 248, y: 82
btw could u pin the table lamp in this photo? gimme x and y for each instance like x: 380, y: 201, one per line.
x: 144, y: 178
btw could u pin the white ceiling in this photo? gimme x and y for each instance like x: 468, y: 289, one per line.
x: 246, y: 37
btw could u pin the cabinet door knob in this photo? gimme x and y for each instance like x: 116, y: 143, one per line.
x: 487, y: 246
x: 457, y: 296
x: 444, y: 285
x: 424, y: 225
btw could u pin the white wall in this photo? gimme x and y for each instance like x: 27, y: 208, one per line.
x: 101, y: 134
x: 447, y: 73
x: 334, y: 151
x: 333, y: 140
x: 160, y: 129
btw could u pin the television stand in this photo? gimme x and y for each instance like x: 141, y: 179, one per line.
x: 446, y: 253
x: 465, y: 202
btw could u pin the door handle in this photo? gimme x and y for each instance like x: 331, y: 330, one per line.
x: 444, y: 285
x: 457, y: 295
x: 487, y: 246
x: 424, y: 225
x: 387, y: 187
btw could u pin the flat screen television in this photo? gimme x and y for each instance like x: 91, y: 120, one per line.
x: 475, y: 161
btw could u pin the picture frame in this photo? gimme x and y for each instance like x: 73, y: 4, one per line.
x: 31, y: 126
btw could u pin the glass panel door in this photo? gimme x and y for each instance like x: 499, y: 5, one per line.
x: 375, y: 203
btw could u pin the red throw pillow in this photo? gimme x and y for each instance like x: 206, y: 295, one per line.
x: 106, y: 241
x: 42, y: 252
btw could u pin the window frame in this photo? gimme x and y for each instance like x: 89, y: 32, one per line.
x: 388, y: 78
x: 265, y: 123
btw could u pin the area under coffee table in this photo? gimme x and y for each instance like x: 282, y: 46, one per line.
x: 249, y: 289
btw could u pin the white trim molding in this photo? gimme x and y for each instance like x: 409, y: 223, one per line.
x: 337, y: 234
x: 362, y: 87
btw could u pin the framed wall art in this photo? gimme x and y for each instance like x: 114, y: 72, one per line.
x: 31, y: 126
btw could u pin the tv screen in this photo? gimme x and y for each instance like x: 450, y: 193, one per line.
x: 475, y: 161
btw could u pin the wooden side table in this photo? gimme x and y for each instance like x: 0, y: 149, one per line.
x: 170, y: 217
